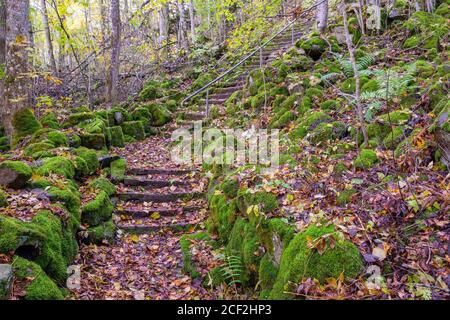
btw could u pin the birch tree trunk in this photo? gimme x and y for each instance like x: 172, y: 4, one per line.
x: 48, y: 38
x: 351, y: 51
x: 192, y: 18
x: 322, y: 15
x: 182, y: 26
x: 115, y: 51
x: 17, y: 84
x: 2, y: 54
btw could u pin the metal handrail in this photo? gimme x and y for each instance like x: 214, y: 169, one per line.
x: 249, y: 55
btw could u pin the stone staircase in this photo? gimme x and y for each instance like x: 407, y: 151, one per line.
x: 220, y: 93
x: 153, y: 200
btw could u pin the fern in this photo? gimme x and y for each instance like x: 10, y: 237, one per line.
x: 361, y: 64
x: 232, y: 269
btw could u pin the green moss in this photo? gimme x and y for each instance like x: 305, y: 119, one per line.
x: 366, y: 159
x: 268, y: 272
x: 98, y: 210
x: 95, y: 141
x: 328, y: 131
x: 223, y: 214
x: 40, y: 286
x: 104, y: 233
x: 3, y: 199
x: 230, y: 187
x: 24, y: 123
x: 330, y: 105
x: 118, y: 169
x: 443, y: 10
x: 394, y: 138
x: 151, y: 91
x: 185, y: 244
x: 141, y: 114
x: 345, y: 196
x: 77, y: 118
x: 90, y: 156
x: 103, y: 184
x: 202, y: 81
x: 15, y: 234
x: 310, y: 122
x: 116, y: 134
x: 20, y: 172
x: 275, y: 228
x: 57, y: 165
x: 134, y: 129
x: 282, y: 121
x: 171, y: 105
x: 314, y: 47
x: 33, y: 148
x: 370, y: 86
x: 50, y: 120
x: 291, y: 102
x: 70, y: 199
x: 81, y: 167
x: 299, y: 261
x: 397, y: 117
x: 314, y: 93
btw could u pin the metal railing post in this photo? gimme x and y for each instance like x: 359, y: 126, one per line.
x: 261, y: 57
x: 293, y: 38
x: 207, y: 103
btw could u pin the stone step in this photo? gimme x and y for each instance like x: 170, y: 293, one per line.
x: 230, y: 90
x: 134, y: 182
x: 143, y: 229
x: 163, y: 212
x: 157, y: 171
x: 158, y: 198
x: 194, y: 116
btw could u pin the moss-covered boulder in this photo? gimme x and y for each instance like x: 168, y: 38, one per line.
x: 134, y: 129
x: 314, y: 47
x: 14, y: 174
x: 103, y: 184
x: 98, y: 210
x: 57, y: 138
x: 160, y: 114
x: 96, y: 141
x: 24, y: 123
x: 427, y: 28
x: 394, y: 137
x: 310, y: 121
x: 116, y: 136
x: 77, y: 118
x: 318, y: 253
x: 330, y: 105
x: 57, y: 165
x: 103, y: 234
x: 151, y: 91
x: 90, y: 156
x: 50, y: 120
x: 118, y: 169
x: 366, y: 159
x: 3, y: 199
x: 327, y: 131
x: 223, y: 214
x: 34, y: 148
x: 38, y: 285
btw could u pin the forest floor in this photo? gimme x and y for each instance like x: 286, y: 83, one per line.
x: 149, y: 265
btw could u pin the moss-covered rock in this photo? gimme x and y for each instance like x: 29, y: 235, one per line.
x: 223, y: 214
x: 24, y: 123
x: 366, y: 159
x: 57, y: 138
x: 394, y: 138
x: 116, y: 136
x: 268, y: 271
x: 57, y: 165
x: 98, y: 210
x: 95, y: 141
x: 34, y: 148
x: 302, y: 259
x: 14, y: 174
x: 39, y: 285
x: 118, y: 169
x: 103, y: 234
x: 134, y: 129
x: 314, y: 47
x: 309, y: 123
x: 90, y: 156
x: 185, y: 243
x: 3, y: 199
x: 50, y: 120
x: 151, y: 91
x: 103, y: 184
x: 330, y: 105
x: 328, y: 131
x: 141, y: 114
x: 77, y: 118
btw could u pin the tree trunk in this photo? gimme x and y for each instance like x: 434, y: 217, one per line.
x: 322, y: 16
x: 104, y: 32
x: 48, y: 38
x: 192, y: 18
x: 182, y: 27
x: 2, y: 54
x: 17, y: 82
x: 115, y: 51
x: 351, y: 51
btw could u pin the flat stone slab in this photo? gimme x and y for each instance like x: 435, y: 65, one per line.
x: 167, y: 172
x: 134, y: 182
x: 158, y: 198
x: 141, y: 214
x: 141, y: 229
x: 105, y: 161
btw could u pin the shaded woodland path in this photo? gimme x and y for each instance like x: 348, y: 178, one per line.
x: 156, y: 205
